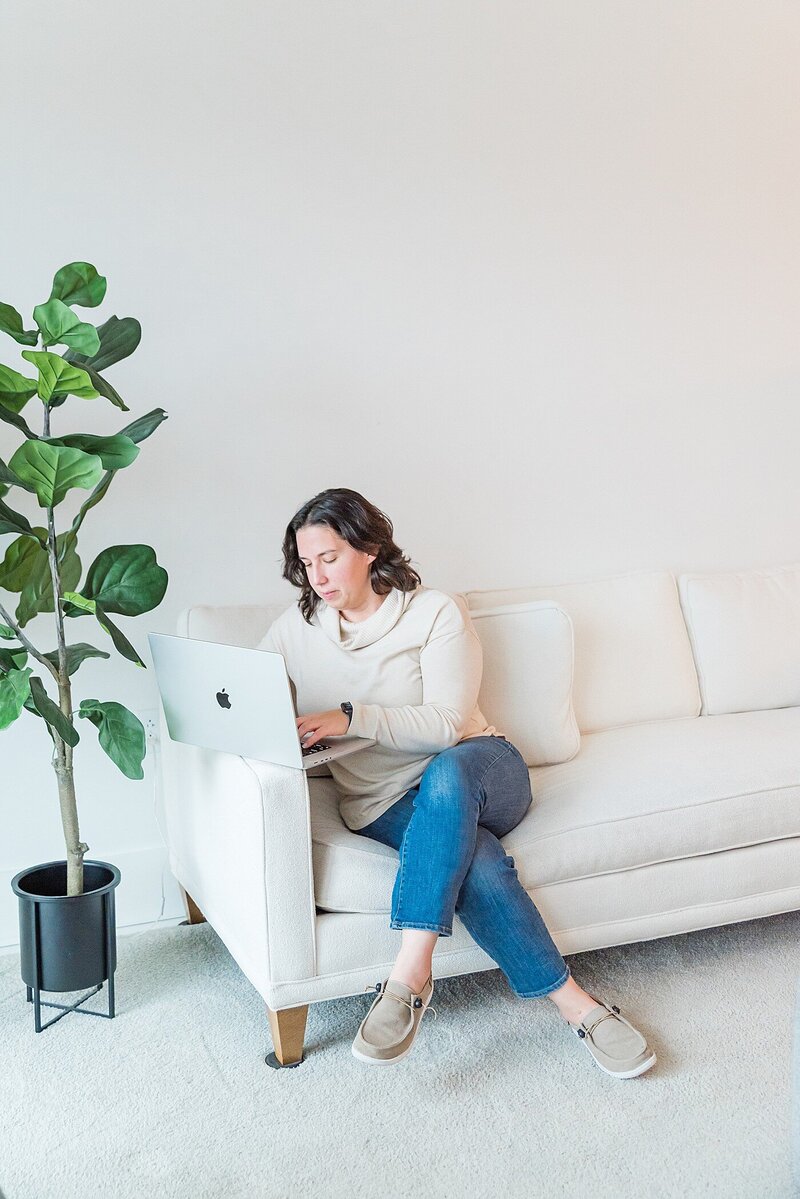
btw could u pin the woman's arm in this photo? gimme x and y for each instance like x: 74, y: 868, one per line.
x: 451, y: 662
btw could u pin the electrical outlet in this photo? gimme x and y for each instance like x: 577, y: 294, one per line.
x: 149, y: 718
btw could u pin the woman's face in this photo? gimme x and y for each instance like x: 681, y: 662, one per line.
x: 337, y: 572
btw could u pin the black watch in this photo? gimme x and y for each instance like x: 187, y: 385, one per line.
x: 348, y: 711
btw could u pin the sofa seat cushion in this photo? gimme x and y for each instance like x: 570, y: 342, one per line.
x: 661, y: 791
x: 633, y: 796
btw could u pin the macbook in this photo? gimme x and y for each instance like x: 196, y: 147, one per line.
x: 237, y: 700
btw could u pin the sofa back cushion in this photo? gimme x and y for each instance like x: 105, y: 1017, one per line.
x: 526, y: 688
x: 745, y: 632
x: 633, y: 657
x: 240, y: 624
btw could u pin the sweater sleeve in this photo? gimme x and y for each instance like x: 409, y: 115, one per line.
x: 277, y: 638
x: 451, y: 662
x: 269, y: 641
x: 273, y: 642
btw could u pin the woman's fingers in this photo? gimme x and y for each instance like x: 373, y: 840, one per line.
x: 307, y: 727
x: 318, y: 725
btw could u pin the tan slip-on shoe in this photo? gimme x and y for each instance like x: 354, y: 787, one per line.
x: 388, y: 1030
x: 616, y: 1046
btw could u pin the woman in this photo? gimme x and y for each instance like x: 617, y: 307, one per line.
x: 373, y: 653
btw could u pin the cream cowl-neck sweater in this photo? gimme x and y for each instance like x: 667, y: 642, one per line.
x: 412, y: 671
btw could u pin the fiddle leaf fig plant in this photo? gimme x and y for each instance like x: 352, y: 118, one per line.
x: 41, y: 566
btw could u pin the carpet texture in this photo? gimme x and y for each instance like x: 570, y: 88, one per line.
x: 497, y: 1098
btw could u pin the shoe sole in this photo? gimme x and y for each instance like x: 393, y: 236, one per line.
x: 390, y: 1061
x: 381, y: 1061
x: 640, y: 1069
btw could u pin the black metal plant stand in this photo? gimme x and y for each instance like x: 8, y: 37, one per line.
x: 67, y: 942
x: 34, y: 992
x: 38, y: 1004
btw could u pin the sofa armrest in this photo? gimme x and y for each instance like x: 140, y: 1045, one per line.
x: 239, y: 839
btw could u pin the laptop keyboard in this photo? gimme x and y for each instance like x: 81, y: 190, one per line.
x: 314, y: 749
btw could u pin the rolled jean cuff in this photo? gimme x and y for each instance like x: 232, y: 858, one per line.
x: 547, y: 990
x: 441, y: 929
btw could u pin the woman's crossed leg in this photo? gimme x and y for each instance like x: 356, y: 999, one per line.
x: 446, y: 831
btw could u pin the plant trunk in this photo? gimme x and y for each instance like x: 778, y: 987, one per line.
x: 62, y: 753
x: 62, y: 764
x: 62, y: 756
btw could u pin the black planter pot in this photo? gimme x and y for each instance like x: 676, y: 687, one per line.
x: 67, y: 942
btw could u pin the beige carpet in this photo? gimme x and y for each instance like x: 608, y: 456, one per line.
x: 498, y: 1097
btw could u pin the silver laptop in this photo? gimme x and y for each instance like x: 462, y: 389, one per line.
x: 238, y: 700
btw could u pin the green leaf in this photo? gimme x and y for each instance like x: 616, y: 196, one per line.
x: 12, y: 418
x: 11, y: 323
x: 76, y: 654
x: 121, y: 734
x: 118, y: 339
x: 114, y: 452
x: 7, y: 634
x: 14, y: 522
x: 57, y: 377
x: 53, y: 470
x: 52, y: 714
x: 140, y: 429
x: 104, y: 388
x: 31, y: 707
x: 13, y: 659
x: 126, y: 579
x: 95, y: 498
x: 121, y: 642
x: 60, y: 325
x: 75, y: 599
x: 19, y: 562
x: 15, y: 389
x: 8, y: 476
x: 26, y: 569
x: 79, y: 283
x: 14, y: 690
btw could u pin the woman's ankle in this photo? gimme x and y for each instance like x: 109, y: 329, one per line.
x: 572, y: 1001
x: 413, y: 974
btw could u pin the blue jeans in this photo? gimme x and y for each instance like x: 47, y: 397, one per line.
x: 446, y: 831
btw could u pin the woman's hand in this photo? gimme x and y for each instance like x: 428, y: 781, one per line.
x: 320, y: 725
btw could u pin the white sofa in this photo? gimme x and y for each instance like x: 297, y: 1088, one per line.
x: 660, y: 718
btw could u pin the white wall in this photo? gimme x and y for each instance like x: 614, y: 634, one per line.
x: 524, y: 274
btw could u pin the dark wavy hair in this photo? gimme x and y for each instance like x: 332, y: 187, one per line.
x: 361, y: 525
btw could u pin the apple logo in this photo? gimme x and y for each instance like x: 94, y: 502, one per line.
x: 222, y: 699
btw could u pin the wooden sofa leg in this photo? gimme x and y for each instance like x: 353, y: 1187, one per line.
x: 288, y: 1029
x: 192, y: 910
